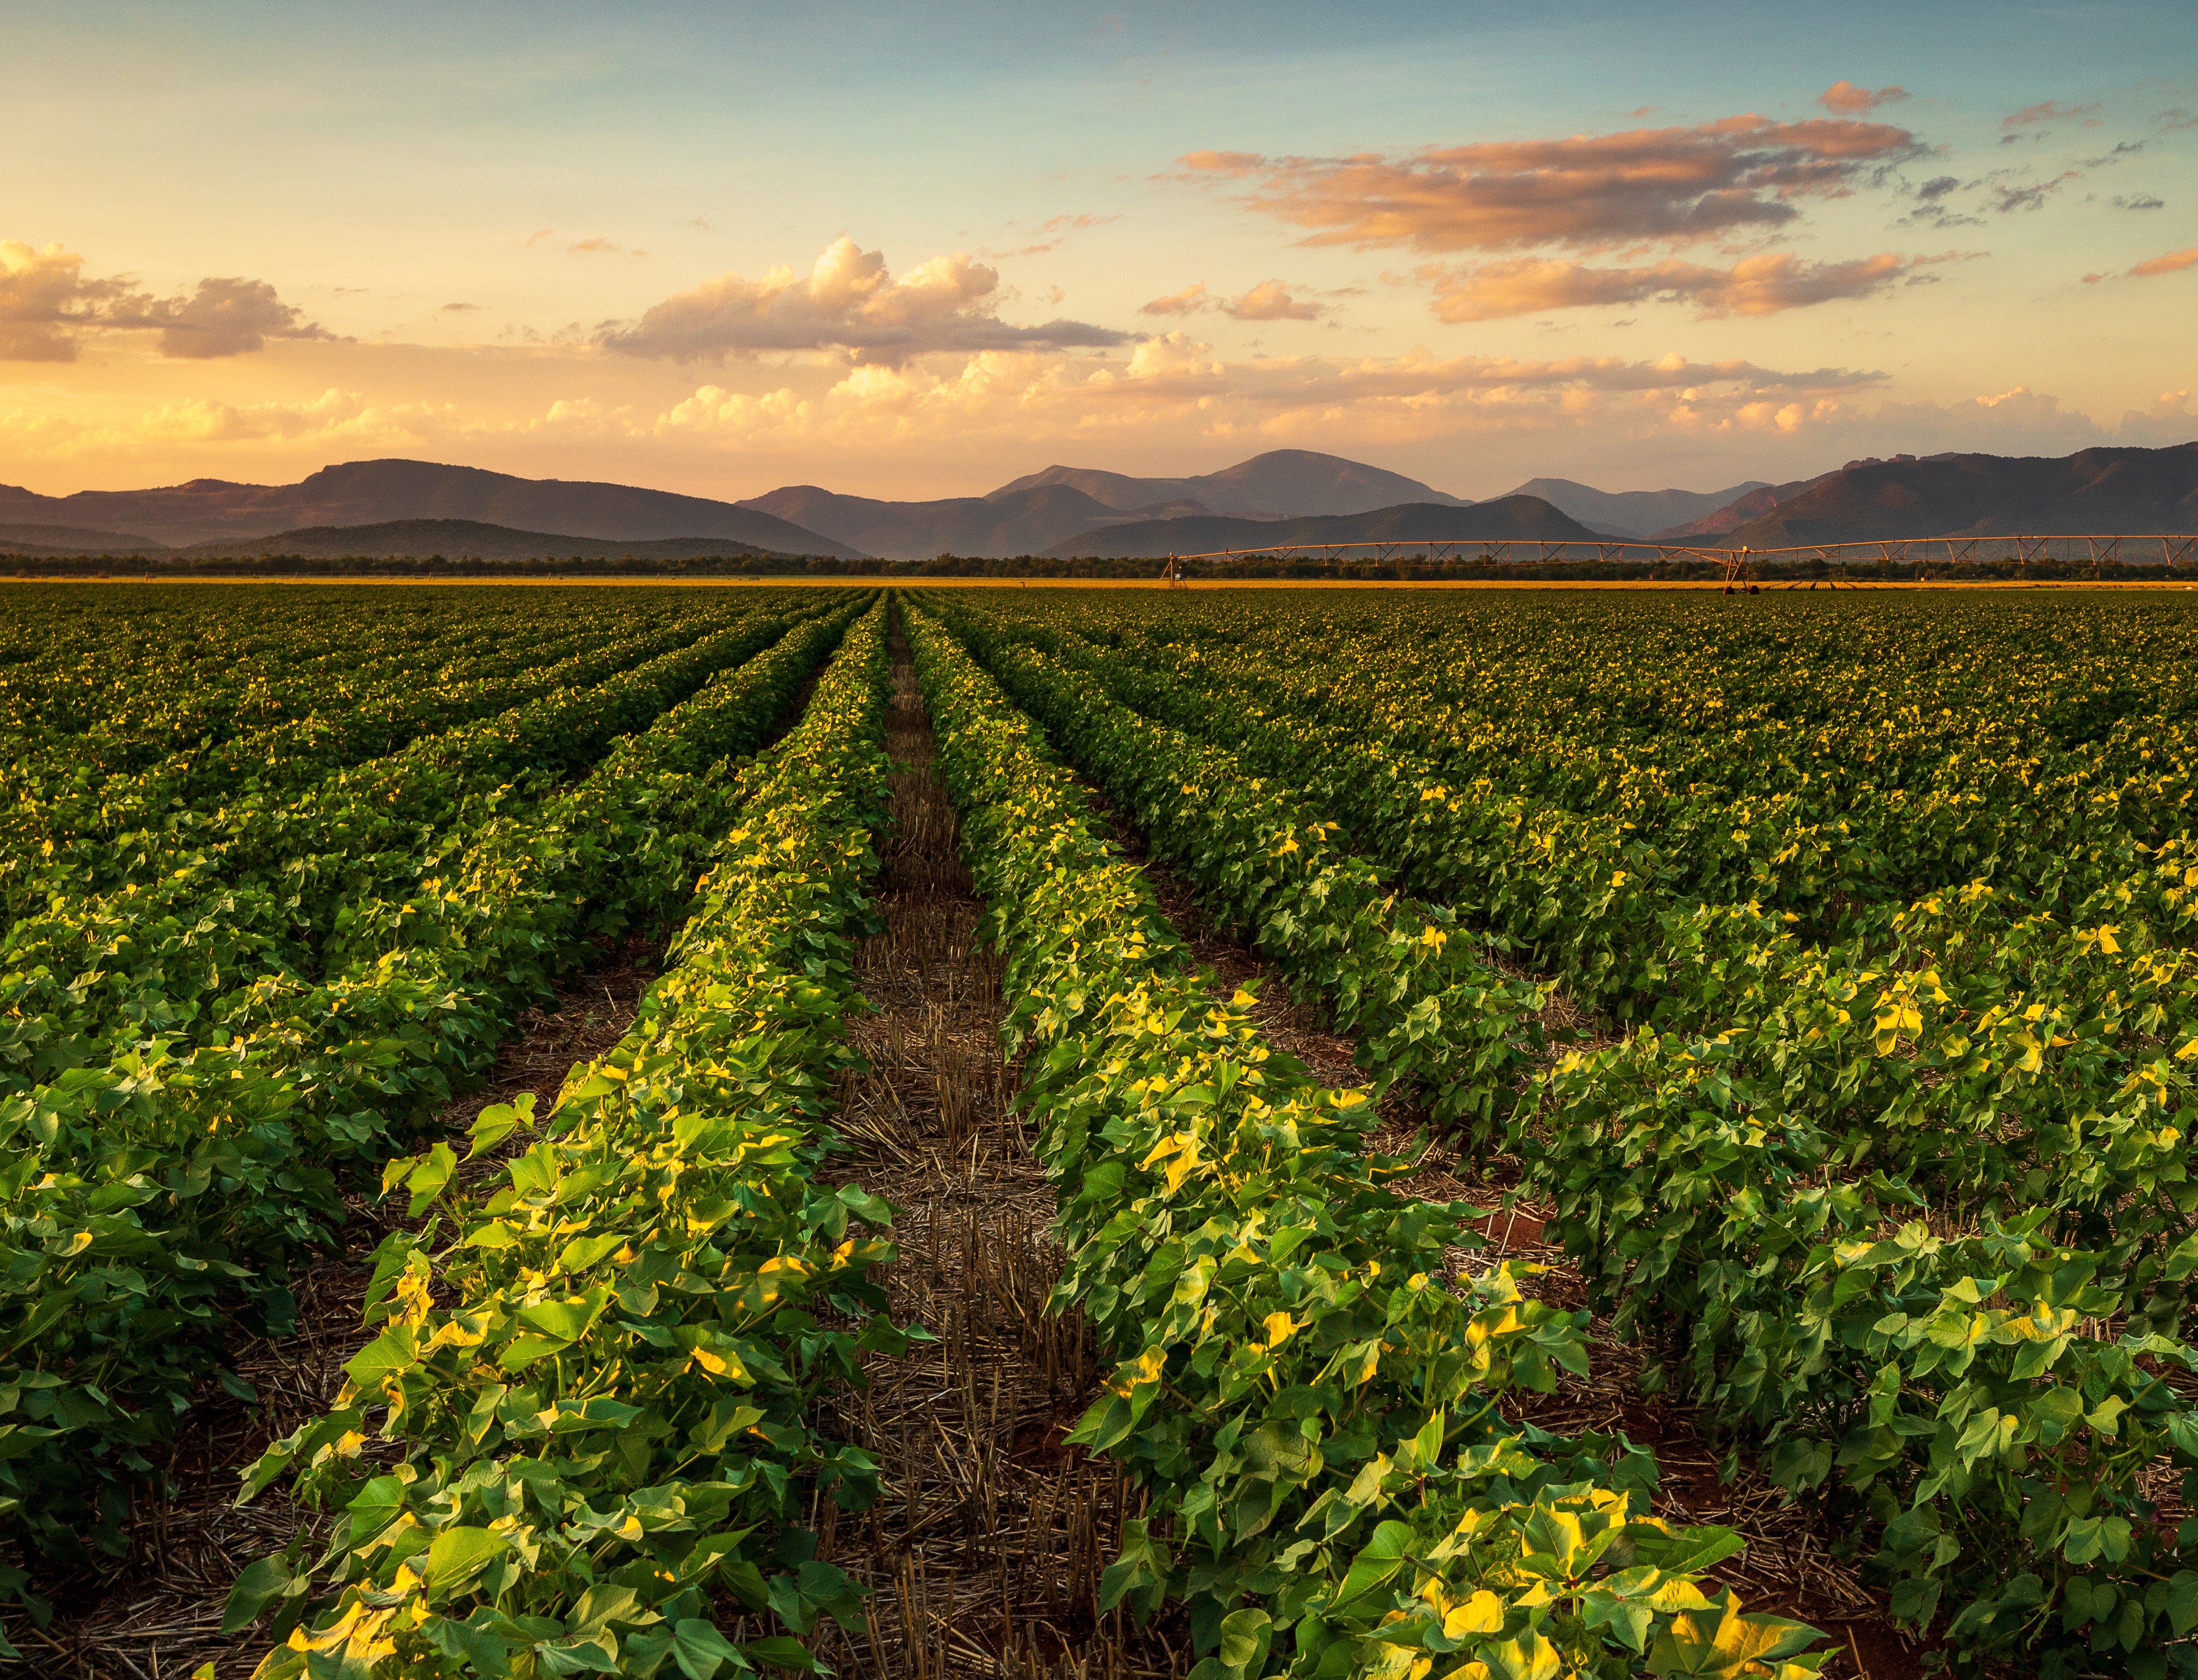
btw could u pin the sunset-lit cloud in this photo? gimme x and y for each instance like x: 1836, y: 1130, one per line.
x: 2044, y: 112
x: 222, y: 317
x: 1844, y: 99
x: 1173, y: 378
x: 1268, y: 300
x: 847, y: 302
x: 45, y: 301
x: 1759, y: 285
x: 48, y: 305
x: 1272, y: 300
x: 1192, y: 299
x: 2173, y: 262
x: 1673, y: 186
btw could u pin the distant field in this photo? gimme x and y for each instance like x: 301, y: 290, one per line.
x: 1365, y: 1090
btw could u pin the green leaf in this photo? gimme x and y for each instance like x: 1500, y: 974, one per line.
x: 1379, y: 1559
x: 260, y: 1585
x: 780, y: 1653
x: 700, y: 1650
x: 425, y: 1181
x: 568, y: 1320
x: 456, y: 1555
x: 498, y: 1121
x: 2183, y: 1601
x: 394, y: 1350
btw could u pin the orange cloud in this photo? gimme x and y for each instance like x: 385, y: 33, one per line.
x: 846, y: 302
x: 1844, y: 99
x: 2173, y: 262
x: 1759, y: 285
x: 1187, y: 301
x: 1269, y: 301
x: 1675, y: 186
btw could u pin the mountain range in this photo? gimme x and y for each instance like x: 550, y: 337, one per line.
x: 1633, y: 513
x: 377, y: 492
x: 1282, y: 497
x: 1506, y: 516
x: 2107, y: 491
x: 1041, y: 512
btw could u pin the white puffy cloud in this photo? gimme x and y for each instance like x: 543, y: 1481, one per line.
x: 848, y: 302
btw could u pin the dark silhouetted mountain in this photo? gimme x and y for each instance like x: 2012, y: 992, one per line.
x: 1510, y: 516
x: 1279, y: 484
x: 2107, y: 491
x: 72, y: 539
x: 463, y: 539
x: 1030, y: 521
x: 1632, y: 512
x: 1734, y: 513
x: 377, y: 492
x: 1043, y: 511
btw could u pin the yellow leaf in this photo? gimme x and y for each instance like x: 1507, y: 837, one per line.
x: 1481, y: 1614
x: 1147, y: 1368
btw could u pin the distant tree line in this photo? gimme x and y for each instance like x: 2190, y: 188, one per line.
x: 1406, y: 569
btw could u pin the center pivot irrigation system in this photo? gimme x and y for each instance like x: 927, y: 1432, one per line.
x: 2175, y: 549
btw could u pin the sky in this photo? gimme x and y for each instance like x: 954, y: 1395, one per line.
x: 912, y: 251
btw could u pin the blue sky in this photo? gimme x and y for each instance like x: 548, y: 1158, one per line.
x: 604, y: 193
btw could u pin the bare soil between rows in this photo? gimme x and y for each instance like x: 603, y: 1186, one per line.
x: 984, y: 1555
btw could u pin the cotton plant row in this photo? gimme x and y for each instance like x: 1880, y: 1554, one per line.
x: 1308, y: 1396
x: 1910, y: 1207
x: 150, y: 1203
x: 237, y: 808
x: 595, y: 1367
x: 1400, y: 977
x: 191, y: 945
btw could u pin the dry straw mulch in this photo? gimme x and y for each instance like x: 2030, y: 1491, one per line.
x: 983, y: 1556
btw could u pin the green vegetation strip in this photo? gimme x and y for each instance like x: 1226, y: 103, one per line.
x: 1312, y: 1407
x: 598, y: 1377
x: 145, y: 1201
x: 1401, y: 977
x: 1910, y: 1206
x: 234, y: 914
